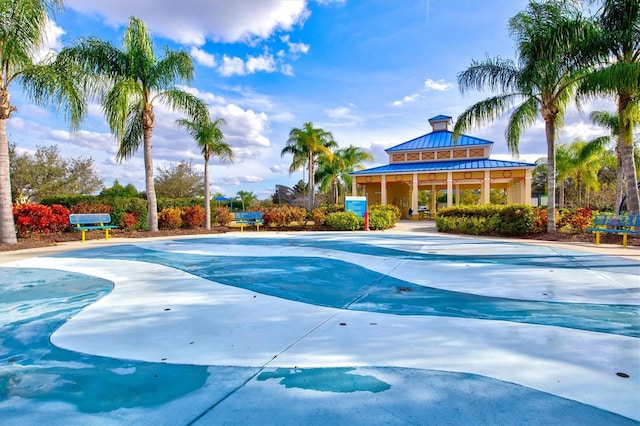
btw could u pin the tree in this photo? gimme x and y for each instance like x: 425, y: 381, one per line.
x: 210, y: 139
x: 580, y: 163
x: 179, y: 181
x: 333, y: 170
x: 618, y: 47
x: 543, y: 82
x: 46, y: 174
x: 117, y: 190
x: 246, y: 198
x: 305, y: 144
x: 22, y: 25
x: 137, y: 80
x: 610, y: 121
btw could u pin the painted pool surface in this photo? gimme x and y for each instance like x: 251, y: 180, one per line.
x: 320, y: 329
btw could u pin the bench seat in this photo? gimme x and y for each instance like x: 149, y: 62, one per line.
x: 91, y: 222
x: 624, y: 225
x: 248, y: 219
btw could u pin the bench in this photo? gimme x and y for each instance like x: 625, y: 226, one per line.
x: 615, y: 224
x: 91, y: 221
x: 248, y: 219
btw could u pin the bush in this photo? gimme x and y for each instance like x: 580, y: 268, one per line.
x: 319, y: 216
x: 193, y: 217
x: 222, y: 216
x: 170, y: 218
x: 345, y: 221
x: 88, y: 208
x: 513, y: 219
x: 31, y: 219
x: 129, y: 221
x: 383, y: 217
x: 284, y: 216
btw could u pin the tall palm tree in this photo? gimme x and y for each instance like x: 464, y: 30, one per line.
x: 210, y: 139
x: 543, y: 81
x: 129, y: 83
x: 333, y: 171
x: 22, y: 26
x: 618, y: 47
x: 246, y: 198
x: 580, y: 161
x: 305, y: 144
x: 610, y: 121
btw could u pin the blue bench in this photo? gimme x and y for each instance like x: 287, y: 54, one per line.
x: 90, y: 222
x: 615, y: 224
x: 248, y: 219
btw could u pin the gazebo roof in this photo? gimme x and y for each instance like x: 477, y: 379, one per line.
x: 438, y: 139
x: 433, y: 166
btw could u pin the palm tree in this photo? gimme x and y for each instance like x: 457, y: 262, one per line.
x: 22, y: 26
x: 611, y: 122
x: 246, y: 198
x: 210, y: 139
x: 580, y: 161
x: 543, y: 82
x: 305, y: 144
x: 136, y: 81
x: 333, y: 171
x: 618, y: 47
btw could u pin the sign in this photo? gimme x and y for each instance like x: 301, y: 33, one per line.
x: 358, y: 205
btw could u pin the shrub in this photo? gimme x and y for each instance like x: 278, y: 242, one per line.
x: 389, y: 209
x: 31, y: 219
x: 513, y: 219
x: 130, y: 221
x: 170, y: 218
x: 84, y: 207
x: 222, y: 216
x: 383, y: 217
x: 193, y: 217
x: 319, y: 216
x: 345, y: 221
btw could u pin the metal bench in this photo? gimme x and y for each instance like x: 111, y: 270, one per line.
x: 248, y: 219
x: 615, y: 224
x: 90, y: 222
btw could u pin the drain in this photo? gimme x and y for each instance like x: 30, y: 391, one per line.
x: 167, y: 309
x: 403, y: 289
x: 623, y: 375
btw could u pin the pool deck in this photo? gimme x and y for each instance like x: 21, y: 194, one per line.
x: 242, y: 356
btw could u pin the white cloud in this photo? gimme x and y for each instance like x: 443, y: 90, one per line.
x: 261, y: 63
x: 295, y: 49
x: 343, y: 116
x: 439, y: 85
x: 286, y: 69
x: 406, y: 99
x: 194, y: 21
x: 231, y: 66
x: 202, y: 57
x: 51, y: 42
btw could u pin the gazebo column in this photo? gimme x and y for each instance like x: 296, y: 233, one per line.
x: 486, y: 188
x: 354, y: 187
x: 457, y: 194
x: 414, y: 195
x: 449, y: 189
x: 434, y: 196
x: 527, y: 188
x: 383, y: 190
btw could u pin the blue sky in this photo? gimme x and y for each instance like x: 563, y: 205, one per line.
x: 371, y: 72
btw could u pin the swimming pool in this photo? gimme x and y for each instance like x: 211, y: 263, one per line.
x: 317, y: 328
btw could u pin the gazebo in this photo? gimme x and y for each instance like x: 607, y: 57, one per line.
x: 435, y: 162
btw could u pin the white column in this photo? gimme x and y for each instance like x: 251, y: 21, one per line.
x: 414, y: 194
x: 486, y: 187
x: 383, y: 190
x: 527, y: 188
x: 449, y: 189
x: 354, y: 187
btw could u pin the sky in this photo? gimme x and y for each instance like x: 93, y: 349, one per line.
x: 371, y: 72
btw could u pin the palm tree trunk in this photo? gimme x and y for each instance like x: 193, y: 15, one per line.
x: 7, y: 226
x: 550, y: 132
x: 311, y: 180
x: 626, y: 154
x: 207, y: 196
x: 149, y: 185
x: 619, y: 181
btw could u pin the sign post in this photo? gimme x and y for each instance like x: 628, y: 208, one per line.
x: 358, y: 205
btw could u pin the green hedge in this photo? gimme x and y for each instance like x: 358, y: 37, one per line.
x: 513, y: 219
x: 344, y: 221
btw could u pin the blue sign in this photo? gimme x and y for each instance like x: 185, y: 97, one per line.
x: 358, y: 205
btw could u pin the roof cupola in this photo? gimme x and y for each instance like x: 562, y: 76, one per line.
x: 440, y: 123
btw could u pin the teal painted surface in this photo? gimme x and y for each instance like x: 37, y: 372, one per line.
x: 338, y: 284
x: 341, y: 380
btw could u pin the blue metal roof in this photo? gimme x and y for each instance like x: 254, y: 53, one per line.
x: 442, y: 166
x: 440, y: 118
x: 438, y: 139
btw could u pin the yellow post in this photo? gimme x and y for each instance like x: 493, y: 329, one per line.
x: 83, y: 235
x: 624, y: 240
x: 597, y: 238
